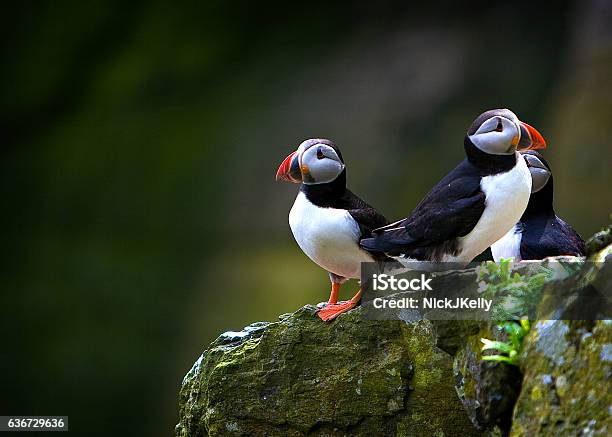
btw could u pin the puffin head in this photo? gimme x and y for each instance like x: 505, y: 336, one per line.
x: 500, y: 132
x: 316, y: 161
x: 539, y: 169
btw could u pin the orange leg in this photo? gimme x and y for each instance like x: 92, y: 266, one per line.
x: 333, y: 296
x: 332, y: 310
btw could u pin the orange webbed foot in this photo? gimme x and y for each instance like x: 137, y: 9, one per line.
x: 332, y: 310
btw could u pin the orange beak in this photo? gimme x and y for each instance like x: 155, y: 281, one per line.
x: 289, y: 170
x: 531, y: 139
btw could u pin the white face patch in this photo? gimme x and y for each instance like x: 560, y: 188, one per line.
x: 320, y: 164
x: 495, y: 136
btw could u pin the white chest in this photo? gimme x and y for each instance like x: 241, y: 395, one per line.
x: 507, y: 196
x: 328, y: 236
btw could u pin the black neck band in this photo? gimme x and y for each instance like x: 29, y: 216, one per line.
x: 488, y: 163
x: 542, y: 201
x: 326, y: 195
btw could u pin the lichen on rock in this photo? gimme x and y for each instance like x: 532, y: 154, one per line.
x: 599, y: 241
x: 566, y: 385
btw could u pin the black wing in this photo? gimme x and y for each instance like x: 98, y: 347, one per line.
x: 366, y: 216
x: 450, y: 210
x: 550, y: 236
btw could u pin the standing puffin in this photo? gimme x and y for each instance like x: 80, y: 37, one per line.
x: 539, y: 233
x: 472, y: 206
x: 328, y: 220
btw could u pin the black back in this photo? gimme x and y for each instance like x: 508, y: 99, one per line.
x: 449, y: 211
x: 547, y: 235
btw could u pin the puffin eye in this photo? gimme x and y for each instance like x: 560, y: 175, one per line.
x: 320, y: 154
x: 499, y: 127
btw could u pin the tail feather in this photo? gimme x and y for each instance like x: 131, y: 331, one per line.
x: 376, y: 244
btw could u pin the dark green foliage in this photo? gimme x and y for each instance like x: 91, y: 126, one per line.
x: 521, y: 293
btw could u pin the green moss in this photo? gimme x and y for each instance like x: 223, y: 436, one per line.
x: 536, y: 393
x: 237, y: 355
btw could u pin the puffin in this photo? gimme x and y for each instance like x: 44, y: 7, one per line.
x: 539, y: 233
x: 475, y: 204
x: 327, y: 220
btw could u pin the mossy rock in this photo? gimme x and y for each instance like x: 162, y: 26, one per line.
x: 488, y: 390
x: 301, y: 376
x: 567, y: 387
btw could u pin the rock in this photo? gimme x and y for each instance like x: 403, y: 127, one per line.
x: 585, y: 295
x: 567, y: 388
x: 300, y: 376
x: 488, y: 390
x: 599, y: 241
x: 567, y: 364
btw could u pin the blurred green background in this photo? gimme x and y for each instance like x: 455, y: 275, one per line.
x: 140, y: 142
